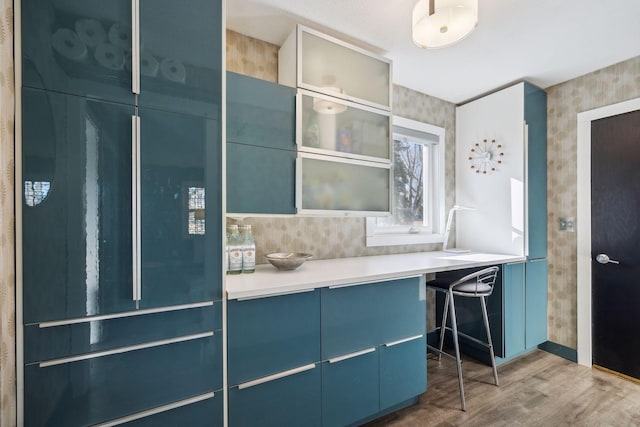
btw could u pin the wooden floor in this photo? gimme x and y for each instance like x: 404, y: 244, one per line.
x: 538, y: 389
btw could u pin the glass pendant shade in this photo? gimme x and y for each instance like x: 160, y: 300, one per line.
x: 449, y: 22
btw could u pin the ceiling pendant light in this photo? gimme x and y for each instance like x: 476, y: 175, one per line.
x: 440, y: 23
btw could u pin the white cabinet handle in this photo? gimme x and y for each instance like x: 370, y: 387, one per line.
x: 352, y: 355
x: 276, y: 376
x: 135, y: 46
x: 135, y: 206
x: 404, y: 340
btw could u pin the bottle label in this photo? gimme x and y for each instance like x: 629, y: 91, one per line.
x: 235, y: 258
x: 249, y: 258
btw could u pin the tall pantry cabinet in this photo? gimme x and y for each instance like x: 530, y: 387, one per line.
x: 121, y: 212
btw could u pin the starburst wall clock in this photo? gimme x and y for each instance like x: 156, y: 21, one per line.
x: 486, y: 156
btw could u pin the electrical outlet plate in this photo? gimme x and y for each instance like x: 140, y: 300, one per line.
x: 567, y: 224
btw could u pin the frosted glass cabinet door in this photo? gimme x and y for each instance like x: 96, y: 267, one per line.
x: 331, y: 66
x: 78, y: 47
x: 181, y: 259
x: 329, y: 125
x: 332, y: 184
x: 76, y: 211
x: 180, y: 56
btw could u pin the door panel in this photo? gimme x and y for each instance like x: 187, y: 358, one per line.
x: 615, y: 231
x: 180, y: 209
x: 78, y: 47
x: 76, y: 207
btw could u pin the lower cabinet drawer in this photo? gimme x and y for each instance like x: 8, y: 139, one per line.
x: 350, y: 388
x: 290, y: 398
x: 403, y: 370
x: 204, y: 413
x: 113, y: 384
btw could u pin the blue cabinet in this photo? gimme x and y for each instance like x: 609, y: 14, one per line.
x: 350, y: 388
x: 513, y: 288
x: 293, y: 399
x: 536, y: 272
x: 403, y: 373
x: 125, y: 381
x: 84, y: 48
x: 204, y: 413
x: 271, y: 335
x: 261, y: 151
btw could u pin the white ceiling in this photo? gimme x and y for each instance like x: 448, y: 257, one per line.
x: 545, y: 42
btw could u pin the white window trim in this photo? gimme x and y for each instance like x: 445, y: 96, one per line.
x: 393, y: 236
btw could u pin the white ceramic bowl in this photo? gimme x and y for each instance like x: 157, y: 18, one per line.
x: 287, y: 260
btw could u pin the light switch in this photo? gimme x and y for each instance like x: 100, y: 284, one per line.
x: 567, y: 224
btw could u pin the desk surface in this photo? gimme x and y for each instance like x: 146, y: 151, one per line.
x: 267, y: 281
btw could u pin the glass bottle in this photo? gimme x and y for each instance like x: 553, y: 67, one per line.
x: 248, y: 249
x: 234, y: 248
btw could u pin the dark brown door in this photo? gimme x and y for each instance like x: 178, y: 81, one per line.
x: 615, y: 242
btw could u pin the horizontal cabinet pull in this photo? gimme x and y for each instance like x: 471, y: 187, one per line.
x: 404, y: 340
x: 347, y: 285
x: 276, y: 376
x: 352, y: 355
x: 127, y: 349
x: 124, y: 314
x: 157, y: 410
x: 279, y: 294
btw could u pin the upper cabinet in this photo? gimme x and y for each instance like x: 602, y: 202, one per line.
x: 114, y: 50
x: 311, y: 60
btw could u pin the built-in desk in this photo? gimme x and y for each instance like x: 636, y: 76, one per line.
x: 335, y: 342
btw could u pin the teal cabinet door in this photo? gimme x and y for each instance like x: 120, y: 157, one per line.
x: 77, y: 257
x: 290, y: 400
x: 350, y: 388
x: 181, y: 256
x: 514, y: 308
x: 78, y: 47
x: 351, y: 319
x: 536, y: 308
x: 260, y: 180
x: 92, y: 390
x: 181, y: 56
x: 403, y: 309
x: 260, y: 113
x: 271, y: 335
x: 403, y: 370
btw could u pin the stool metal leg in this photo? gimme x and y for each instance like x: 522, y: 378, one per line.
x: 486, y: 325
x: 454, y: 328
x: 443, y: 324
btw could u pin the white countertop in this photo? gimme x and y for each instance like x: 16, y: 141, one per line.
x: 267, y: 281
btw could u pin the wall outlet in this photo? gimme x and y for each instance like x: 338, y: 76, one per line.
x: 567, y: 224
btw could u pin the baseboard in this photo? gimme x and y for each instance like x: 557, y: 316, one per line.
x: 560, y: 350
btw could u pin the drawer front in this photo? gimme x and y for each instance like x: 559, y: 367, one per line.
x: 350, y: 389
x: 293, y: 400
x: 96, y: 390
x: 403, y: 309
x: 271, y: 335
x: 403, y: 371
x: 350, y: 319
x: 204, y: 413
x: 45, y: 343
x: 536, y: 302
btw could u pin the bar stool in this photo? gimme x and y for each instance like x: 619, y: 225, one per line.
x: 475, y: 285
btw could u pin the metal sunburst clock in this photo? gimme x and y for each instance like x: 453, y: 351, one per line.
x: 485, y: 156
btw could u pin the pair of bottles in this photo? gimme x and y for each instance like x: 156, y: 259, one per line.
x: 241, y: 249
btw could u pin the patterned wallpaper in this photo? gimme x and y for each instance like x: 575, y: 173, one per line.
x: 610, y: 85
x: 7, y: 242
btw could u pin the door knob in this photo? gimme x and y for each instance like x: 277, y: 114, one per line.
x: 604, y: 259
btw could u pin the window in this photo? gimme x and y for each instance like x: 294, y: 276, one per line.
x: 418, y: 187
x: 196, y: 211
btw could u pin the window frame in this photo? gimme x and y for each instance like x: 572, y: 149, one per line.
x: 400, y: 235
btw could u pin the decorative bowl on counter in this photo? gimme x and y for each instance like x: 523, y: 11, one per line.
x: 287, y: 260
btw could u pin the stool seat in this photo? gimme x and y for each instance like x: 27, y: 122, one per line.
x: 475, y: 285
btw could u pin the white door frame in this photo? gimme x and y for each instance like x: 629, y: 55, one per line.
x: 584, y: 219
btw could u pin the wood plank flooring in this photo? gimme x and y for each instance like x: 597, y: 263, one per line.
x: 538, y: 389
